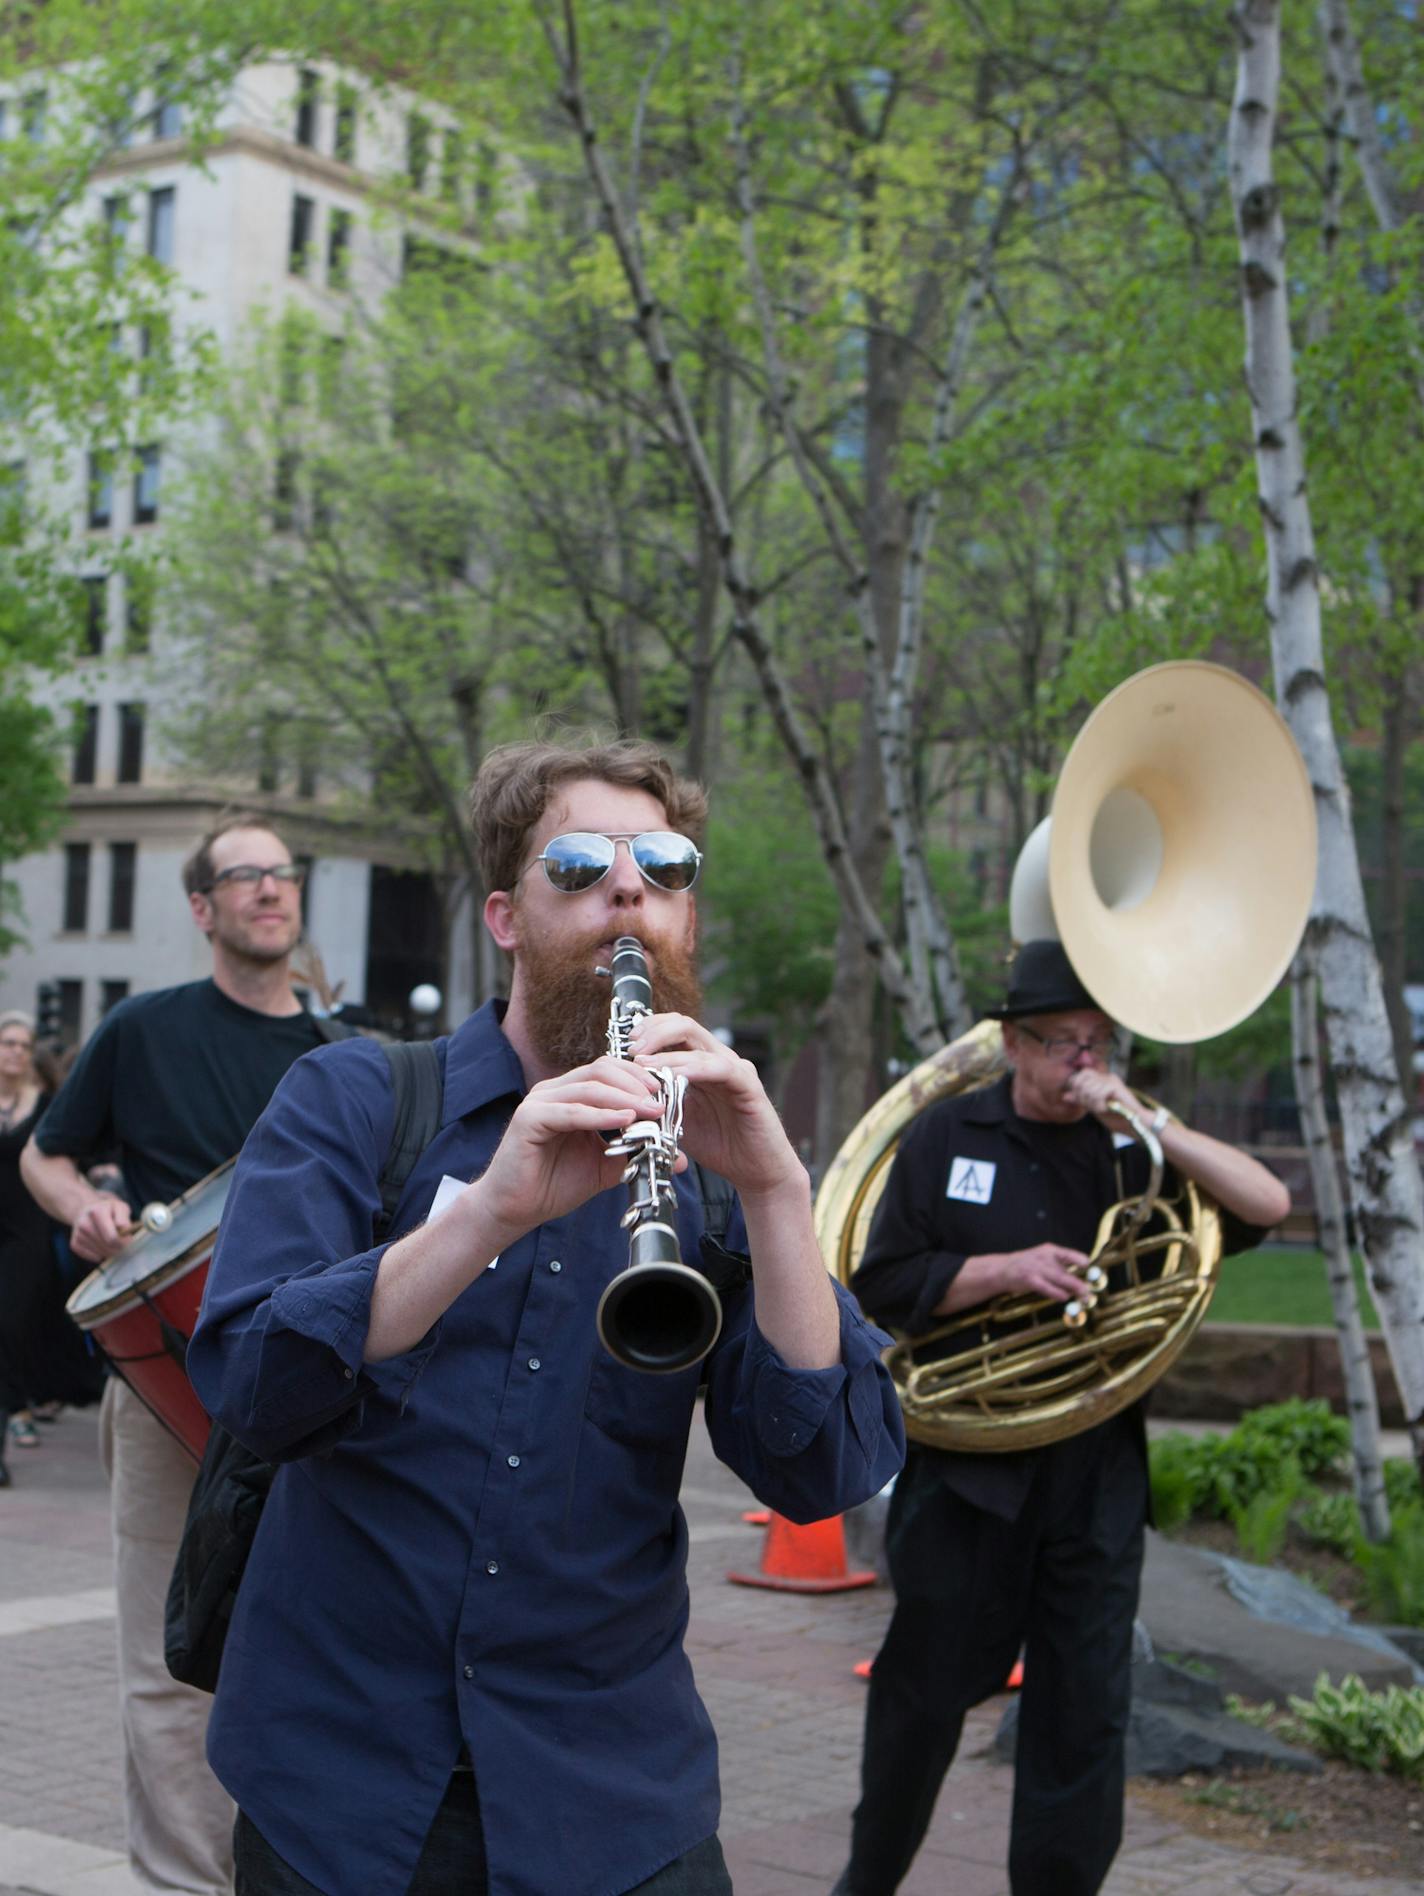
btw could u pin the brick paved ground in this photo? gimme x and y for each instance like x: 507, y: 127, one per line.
x: 774, y: 1668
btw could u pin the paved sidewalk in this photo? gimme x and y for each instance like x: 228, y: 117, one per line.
x: 774, y: 1668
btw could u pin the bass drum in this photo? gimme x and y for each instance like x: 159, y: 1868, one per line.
x: 142, y: 1305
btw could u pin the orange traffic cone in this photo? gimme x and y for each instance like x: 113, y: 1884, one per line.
x: 757, y: 1517
x: 1015, y: 1678
x: 863, y: 1668
x: 809, y: 1559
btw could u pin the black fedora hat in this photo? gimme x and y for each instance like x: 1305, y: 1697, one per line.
x: 1042, y: 981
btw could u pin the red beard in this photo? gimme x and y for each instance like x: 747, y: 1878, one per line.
x: 567, y: 1005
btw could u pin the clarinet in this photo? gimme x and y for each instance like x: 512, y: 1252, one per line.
x: 657, y: 1314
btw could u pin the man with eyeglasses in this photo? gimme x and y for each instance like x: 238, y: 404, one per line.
x: 171, y: 1082
x: 456, y: 1661
x: 995, y: 1192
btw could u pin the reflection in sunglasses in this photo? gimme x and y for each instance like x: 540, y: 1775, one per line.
x: 581, y: 859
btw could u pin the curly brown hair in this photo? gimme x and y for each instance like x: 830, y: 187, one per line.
x: 516, y: 781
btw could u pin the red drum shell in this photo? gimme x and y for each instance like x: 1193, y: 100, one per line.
x: 156, y: 1280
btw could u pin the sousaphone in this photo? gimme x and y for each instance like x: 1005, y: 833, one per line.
x: 1177, y: 868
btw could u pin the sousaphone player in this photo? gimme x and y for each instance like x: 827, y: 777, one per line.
x: 997, y: 1193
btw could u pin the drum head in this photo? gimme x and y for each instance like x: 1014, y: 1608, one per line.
x: 153, y: 1256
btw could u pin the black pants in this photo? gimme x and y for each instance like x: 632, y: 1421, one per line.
x: 971, y: 1589
x: 453, y: 1860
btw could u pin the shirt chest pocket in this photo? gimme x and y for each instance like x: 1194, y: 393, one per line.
x: 651, y: 1413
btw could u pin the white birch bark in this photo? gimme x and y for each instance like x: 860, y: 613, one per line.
x: 920, y: 1027
x: 1361, y: 1399
x: 1384, y: 1175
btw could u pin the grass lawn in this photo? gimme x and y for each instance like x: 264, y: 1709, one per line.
x: 1281, y: 1283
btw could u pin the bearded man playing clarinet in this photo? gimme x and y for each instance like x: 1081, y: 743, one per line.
x: 456, y: 1661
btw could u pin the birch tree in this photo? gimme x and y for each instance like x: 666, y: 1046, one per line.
x: 1361, y: 1399
x: 1384, y: 1174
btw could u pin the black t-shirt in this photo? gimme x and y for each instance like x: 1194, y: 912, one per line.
x: 174, y: 1081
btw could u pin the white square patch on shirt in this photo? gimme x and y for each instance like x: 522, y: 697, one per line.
x: 972, y: 1180
x: 446, y: 1193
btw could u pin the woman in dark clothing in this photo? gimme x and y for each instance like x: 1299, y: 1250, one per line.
x: 43, y: 1359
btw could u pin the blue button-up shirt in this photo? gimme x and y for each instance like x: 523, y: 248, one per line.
x: 478, y: 1543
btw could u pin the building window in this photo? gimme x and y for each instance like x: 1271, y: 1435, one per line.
x: 284, y: 491
x: 117, y: 217
x: 122, y: 857
x: 308, y: 87
x: 110, y: 994
x: 344, y: 142
x: 417, y: 149
x: 76, y: 888
x: 86, y: 744
x: 303, y: 227
x: 338, y: 239
x: 292, y: 367
x: 101, y: 490
x: 96, y: 612
x: 330, y: 365
x: 138, y: 610
x: 145, y: 360
x: 162, y: 211
x: 452, y: 169
x: 306, y: 777
x: 71, y: 1002
x: 145, y: 487
x: 167, y: 118
x: 130, y: 743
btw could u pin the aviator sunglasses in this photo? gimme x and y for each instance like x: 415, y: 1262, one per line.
x: 577, y: 861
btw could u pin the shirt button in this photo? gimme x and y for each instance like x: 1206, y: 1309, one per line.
x: 1043, y: 1214
x: 555, y: 1266
x: 491, y: 1566
x: 469, y: 1672
x: 534, y: 1360
x: 513, y: 1460
x: 347, y: 1374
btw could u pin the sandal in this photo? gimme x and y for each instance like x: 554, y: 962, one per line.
x: 23, y: 1432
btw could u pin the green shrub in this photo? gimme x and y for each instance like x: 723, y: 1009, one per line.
x: 1380, y: 1731
x: 1331, y: 1518
x: 1308, y: 1433
x: 1176, y: 1487
x: 1401, y: 1483
x: 1262, y: 1522
x: 1221, y: 1475
x: 1394, y: 1570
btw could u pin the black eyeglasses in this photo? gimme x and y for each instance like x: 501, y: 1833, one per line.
x: 248, y: 874
x: 582, y: 858
x: 1064, y: 1046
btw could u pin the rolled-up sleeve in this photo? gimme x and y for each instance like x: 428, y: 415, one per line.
x: 277, y: 1356
x: 808, y: 1442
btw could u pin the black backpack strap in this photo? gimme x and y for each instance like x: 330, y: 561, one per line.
x: 717, y: 1199
x: 329, y: 1029
x: 725, y: 1270
x: 419, y: 1091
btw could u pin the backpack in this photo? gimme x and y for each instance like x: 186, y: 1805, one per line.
x: 232, y: 1483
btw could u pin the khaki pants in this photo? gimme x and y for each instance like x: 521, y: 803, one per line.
x: 179, y: 1817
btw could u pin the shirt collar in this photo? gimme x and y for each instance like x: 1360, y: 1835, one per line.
x: 992, y: 1105
x: 480, y: 1064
